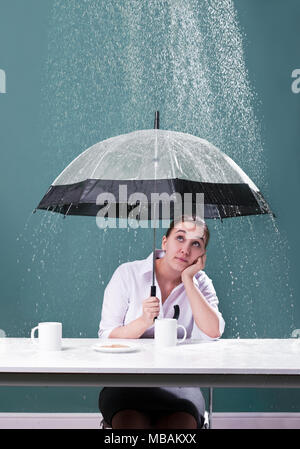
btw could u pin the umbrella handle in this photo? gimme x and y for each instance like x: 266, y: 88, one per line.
x: 153, y: 293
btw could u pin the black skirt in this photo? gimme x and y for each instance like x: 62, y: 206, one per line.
x: 153, y: 401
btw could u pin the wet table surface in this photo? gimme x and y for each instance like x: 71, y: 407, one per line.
x: 224, y: 362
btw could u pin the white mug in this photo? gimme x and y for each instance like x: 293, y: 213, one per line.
x: 50, y: 335
x: 165, y: 332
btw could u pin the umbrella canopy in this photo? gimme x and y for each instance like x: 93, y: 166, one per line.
x: 177, y: 162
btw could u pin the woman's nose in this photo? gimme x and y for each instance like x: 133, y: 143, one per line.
x: 185, y: 248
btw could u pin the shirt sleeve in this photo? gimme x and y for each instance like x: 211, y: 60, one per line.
x: 205, y: 285
x: 115, y: 303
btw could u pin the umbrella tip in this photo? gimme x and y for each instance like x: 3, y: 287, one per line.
x: 156, y: 120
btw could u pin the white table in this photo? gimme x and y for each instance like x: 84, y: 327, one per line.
x: 222, y: 363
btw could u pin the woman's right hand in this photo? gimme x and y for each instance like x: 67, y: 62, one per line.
x: 150, y: 310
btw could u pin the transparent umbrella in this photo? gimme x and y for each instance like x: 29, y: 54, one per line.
x: 124, y: 176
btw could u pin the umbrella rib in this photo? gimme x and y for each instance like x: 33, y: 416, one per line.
x: 87, y: 163
x: 100, y: 160
x: 68, y: 209
x: 171, y: 155
x: 68, y: 166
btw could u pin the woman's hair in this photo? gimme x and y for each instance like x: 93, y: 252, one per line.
x: 192, y: 219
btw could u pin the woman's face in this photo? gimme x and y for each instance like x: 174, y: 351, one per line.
x: 184, y: 245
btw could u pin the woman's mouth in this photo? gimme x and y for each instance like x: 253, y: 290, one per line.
x: 181, y: 260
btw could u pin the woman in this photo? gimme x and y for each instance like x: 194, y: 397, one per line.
x: 181, y: 281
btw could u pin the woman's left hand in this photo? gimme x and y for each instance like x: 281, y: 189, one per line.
x: 191, y: 270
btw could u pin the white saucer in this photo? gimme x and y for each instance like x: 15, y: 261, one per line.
x: 102, y: 348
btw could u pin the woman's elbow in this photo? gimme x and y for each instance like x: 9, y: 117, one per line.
x: 211, y: 332
x: 216, y: 335
x: 115, y: 333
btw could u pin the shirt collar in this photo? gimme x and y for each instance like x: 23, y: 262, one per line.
x: 147, y: 264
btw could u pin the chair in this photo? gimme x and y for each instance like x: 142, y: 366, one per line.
x: 206, y: 424
x: 103, y: 424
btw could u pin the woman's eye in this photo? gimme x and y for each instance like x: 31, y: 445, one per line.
x: 180, y: 237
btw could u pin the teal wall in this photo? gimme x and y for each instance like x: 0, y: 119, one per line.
x: 79, y: 72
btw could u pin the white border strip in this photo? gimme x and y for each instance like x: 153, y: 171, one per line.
x: 254, y: 420
x: 50, y: 420
x: 250, y: 420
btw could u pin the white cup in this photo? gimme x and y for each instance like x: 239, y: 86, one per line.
x: 165, y: 332
x: 50, y: 335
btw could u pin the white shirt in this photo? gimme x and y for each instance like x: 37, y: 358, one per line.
x: 130, y: 286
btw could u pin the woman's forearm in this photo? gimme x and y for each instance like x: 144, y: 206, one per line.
x: 205, y: 317
x: 134, y: 329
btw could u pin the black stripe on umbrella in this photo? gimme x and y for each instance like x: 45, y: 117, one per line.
x: 220, y: 200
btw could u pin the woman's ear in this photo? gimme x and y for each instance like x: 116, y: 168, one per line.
x: 163, y: 243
